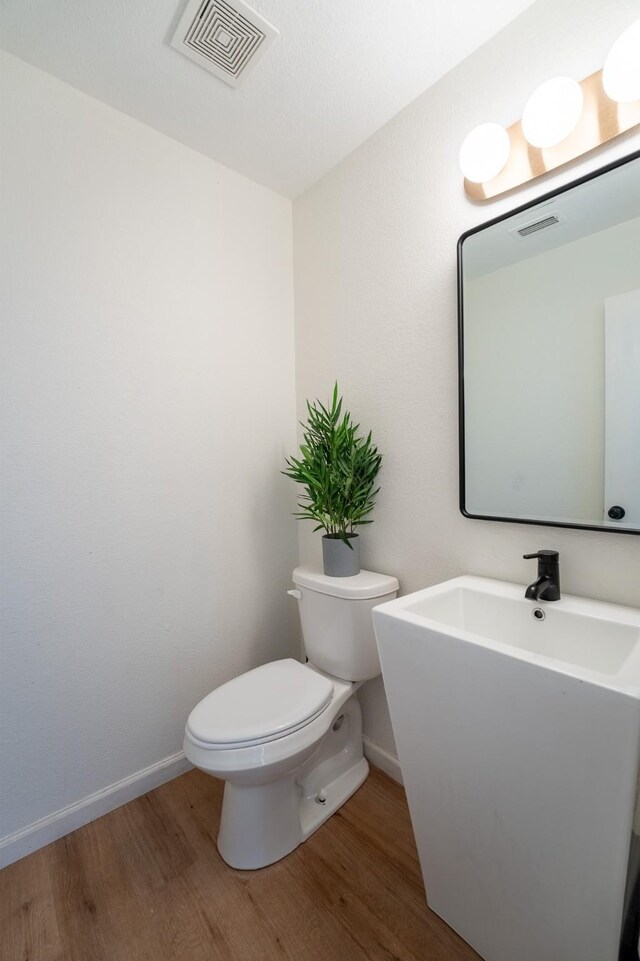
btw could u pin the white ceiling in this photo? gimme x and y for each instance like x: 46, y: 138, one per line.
x: 338, y: 71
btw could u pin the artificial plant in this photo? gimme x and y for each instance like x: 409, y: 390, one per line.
x: 337, y: 468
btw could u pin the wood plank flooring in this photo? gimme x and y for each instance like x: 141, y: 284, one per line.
x: 146, y: 883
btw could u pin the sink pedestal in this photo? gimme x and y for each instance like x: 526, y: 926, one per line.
x: 521, y: 779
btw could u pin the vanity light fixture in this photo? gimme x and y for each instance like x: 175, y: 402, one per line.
x: 562, y: 120
x: 621, y: 71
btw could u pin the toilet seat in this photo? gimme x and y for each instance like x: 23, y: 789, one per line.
x: 262, y: 705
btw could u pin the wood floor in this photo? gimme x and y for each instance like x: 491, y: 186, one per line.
x: 146, y: 883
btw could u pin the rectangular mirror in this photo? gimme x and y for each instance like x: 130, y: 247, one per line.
x: 549, y: 352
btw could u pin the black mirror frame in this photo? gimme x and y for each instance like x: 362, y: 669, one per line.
x: 461, y: 435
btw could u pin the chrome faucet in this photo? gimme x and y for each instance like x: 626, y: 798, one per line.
x: 547, y: 585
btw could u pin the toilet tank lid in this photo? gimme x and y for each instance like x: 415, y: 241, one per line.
x: 366, y: 584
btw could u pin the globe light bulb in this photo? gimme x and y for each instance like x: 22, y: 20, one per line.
x: 552, y: 112
x: 621, y: 71
x: 484, y: 152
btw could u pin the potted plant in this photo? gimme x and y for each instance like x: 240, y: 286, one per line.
x: 337, y: 468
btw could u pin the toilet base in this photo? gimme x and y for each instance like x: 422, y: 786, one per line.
x: 313, y: 813
x: 262, y: 823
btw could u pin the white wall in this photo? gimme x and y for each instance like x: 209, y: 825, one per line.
x: 375, y: 285
x: 149, y: 403
x: 542, y: 455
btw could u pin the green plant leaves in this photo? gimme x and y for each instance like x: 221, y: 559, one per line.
x: 337, y: 469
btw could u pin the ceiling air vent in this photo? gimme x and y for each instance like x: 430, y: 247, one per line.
x: 549, y: 220
x: 227, y: 39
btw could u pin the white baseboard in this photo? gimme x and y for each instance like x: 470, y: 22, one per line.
x: 40, y: 833
x: 382, y: 759
x: 37, y: 835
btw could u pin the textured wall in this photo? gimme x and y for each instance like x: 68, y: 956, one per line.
x: 375, y: 269
x: 148, y: 324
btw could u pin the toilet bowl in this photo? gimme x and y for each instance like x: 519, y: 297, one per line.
x: 287, y: 737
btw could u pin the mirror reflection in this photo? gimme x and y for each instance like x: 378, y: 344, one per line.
x: 549, y: 300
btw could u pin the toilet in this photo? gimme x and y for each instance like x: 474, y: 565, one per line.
x: 287, y: 737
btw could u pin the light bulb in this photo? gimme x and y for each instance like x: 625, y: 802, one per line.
x: 621, y: 71
x: 552, y: 112
x: 484, y: 152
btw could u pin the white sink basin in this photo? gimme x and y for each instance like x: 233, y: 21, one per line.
x: 519, y: 740
x: 575, y: 633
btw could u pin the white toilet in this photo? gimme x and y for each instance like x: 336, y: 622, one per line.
x: 287, y: 737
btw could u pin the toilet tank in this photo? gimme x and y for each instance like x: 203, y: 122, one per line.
x: 335, y: 614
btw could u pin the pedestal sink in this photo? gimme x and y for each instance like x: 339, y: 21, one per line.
x: 518, y: 731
